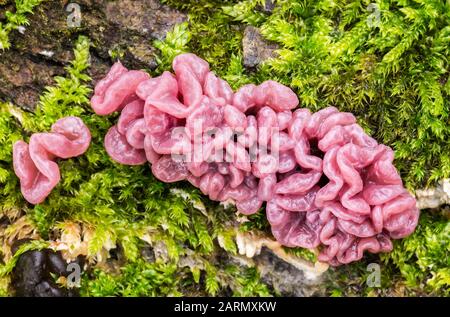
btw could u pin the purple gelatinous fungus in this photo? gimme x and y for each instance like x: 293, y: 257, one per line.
x: 34, y: 163
x: 324, y: 181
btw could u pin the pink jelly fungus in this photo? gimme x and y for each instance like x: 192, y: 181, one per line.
x: 117, y: 89
x: 324, y: 182
x: 34, y: 163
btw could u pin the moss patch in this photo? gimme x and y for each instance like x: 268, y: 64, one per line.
x: 393, y: 76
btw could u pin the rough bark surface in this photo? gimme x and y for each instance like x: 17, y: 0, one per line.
x: 40, y: 51
x: 255, y: 48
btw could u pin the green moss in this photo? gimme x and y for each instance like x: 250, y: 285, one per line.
x: 245, y: 282
x: 4, y: 287
x: 138, y: 278
x: 424, y: 257
x: 213, y: 34
x: 257, y: 221
x: 9, y: 133
x: 302, y: 253
x: 394, y: 77
x: 16, y: 19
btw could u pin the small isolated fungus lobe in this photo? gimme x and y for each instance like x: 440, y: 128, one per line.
x: 34, y: 163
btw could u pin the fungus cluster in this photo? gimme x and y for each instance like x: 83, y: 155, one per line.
x: 324, y: 182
